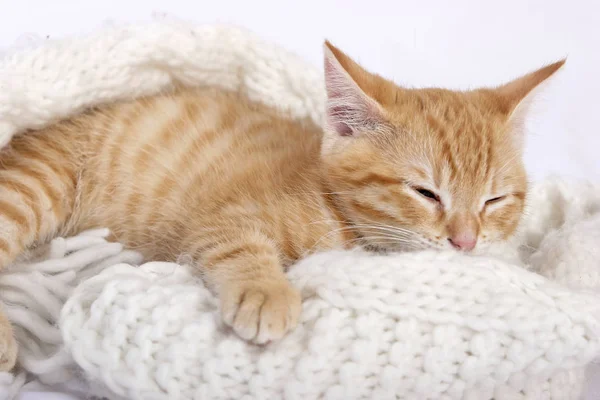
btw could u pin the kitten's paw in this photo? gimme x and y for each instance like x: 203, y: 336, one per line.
x: 261, y: 311
x: 8, y: 349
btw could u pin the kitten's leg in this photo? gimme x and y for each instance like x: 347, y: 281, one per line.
x: 257, y: 300
x: 37, y: 191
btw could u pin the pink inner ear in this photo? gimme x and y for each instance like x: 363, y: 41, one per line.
x: 349, y: 109
x: 338, y: 108
x: 335, y: 116
x: 342, y: 129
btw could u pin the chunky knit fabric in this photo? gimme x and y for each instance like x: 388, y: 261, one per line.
x: 412, y: 326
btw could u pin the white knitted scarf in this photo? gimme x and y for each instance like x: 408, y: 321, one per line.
x: 410, y: 326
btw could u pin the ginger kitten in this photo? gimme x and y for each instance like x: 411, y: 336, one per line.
x: 245, y: 191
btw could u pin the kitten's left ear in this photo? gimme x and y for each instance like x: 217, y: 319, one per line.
x: 350, y: 110
x: 517, y: 95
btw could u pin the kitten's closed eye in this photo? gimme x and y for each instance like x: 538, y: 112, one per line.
x: 428, y: 194
x: 494, y: 200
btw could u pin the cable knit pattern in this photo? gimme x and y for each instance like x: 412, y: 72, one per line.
x: 410, y: 326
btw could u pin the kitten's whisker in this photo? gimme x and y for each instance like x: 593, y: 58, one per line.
x: 372, y: 233
x: 388, y: 228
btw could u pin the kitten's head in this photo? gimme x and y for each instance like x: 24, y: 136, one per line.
x: 425, y: 168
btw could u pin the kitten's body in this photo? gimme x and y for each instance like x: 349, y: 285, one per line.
x: 244, y: 191
x: 178, y: 174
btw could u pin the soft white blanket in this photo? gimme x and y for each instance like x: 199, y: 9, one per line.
x: 412, y: 326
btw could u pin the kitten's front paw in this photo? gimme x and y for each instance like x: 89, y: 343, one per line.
x: 261, y: 311
x: 8, y: 349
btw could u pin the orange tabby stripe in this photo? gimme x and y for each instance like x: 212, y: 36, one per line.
x: 378, y: 179
x: 123, y: 127
x: 45, y: 184
x: 370, y: 211
x: 12, y: 213
x: 237, y: 251
x: 30, y: 195
x: 53, y: 157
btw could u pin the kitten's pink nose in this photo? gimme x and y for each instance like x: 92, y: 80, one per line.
x: 465, y: 240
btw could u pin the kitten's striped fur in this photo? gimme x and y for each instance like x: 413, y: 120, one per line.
x: 244, y: 190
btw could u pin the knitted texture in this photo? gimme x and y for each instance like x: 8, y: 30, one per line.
x: 33, y: 291
x: 410, y: 326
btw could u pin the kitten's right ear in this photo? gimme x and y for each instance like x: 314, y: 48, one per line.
x: 350, y: 111
x: 518, y: 91
x: 518, y: 94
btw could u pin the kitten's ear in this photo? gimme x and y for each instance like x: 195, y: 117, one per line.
x: 350, y: 111
x: 518, y: 94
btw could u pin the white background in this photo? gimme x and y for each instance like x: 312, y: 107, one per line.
x: 452, y: 43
